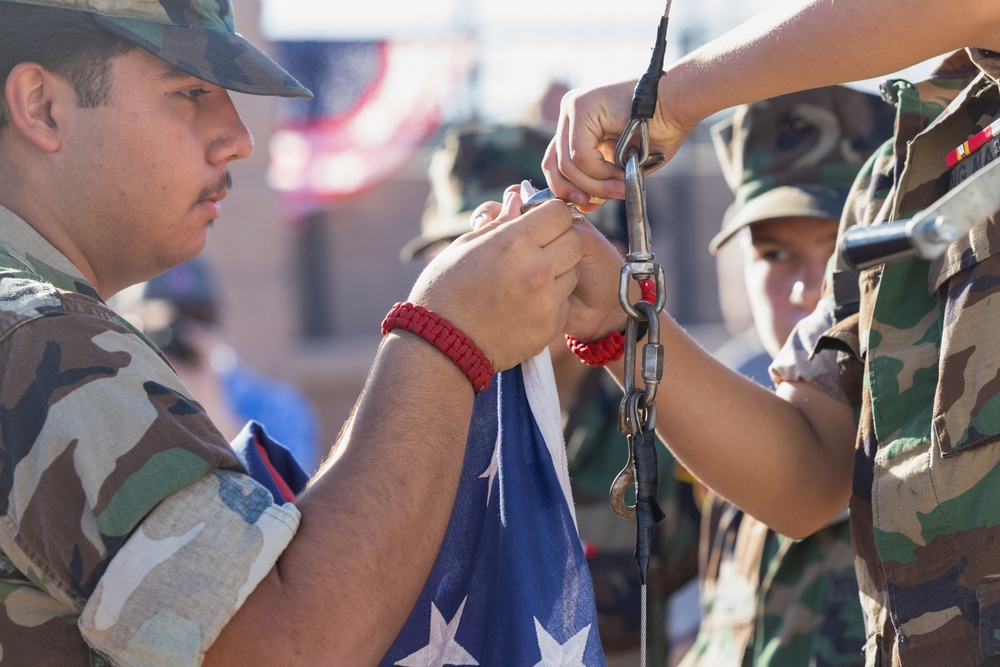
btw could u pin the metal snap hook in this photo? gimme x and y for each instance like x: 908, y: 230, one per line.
x: 623, y: 481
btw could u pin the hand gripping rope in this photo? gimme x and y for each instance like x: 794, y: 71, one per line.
x: 637, y: 414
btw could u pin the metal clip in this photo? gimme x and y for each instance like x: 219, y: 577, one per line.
x: 545, y: 195
x: 636, y: 415
x: 623, y: 482
x: 637, y: 411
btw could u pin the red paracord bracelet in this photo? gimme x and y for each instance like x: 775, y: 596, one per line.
x: 440, y: 333
x: 611, y: 347
x: 600, y: 352
x: 648, y: 288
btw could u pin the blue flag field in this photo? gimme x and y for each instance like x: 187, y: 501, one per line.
x: 510, y: 586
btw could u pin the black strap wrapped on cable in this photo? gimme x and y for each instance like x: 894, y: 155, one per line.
x: 647, y: 510
x: 644, y: 95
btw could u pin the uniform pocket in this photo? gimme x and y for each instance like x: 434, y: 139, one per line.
x: 988, y: 596
x: 967, y: 399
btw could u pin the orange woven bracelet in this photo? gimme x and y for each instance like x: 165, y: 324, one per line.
x: 440, y: 333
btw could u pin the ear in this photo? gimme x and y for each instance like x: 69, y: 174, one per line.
x: 36, y: 99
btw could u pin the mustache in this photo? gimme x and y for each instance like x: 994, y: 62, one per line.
x: 224, y: 183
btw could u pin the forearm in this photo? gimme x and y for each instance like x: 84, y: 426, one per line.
x: 372, y: 521
x: 785, y: 460
x: 794, y: 46
x: 787, y: 48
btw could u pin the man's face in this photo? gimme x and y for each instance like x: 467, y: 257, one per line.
x: 785, y: 260
x: 148, y: 172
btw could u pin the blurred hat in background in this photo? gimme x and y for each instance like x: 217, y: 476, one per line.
x: 476, y: 162
x: 190, y: 290
x: 797, y: 155
x: 166, y: 308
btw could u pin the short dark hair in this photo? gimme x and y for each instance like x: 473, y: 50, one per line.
x: 68, y: 43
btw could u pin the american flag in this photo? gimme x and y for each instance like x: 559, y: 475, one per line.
x: 510, y: 586
x: 376, y: 103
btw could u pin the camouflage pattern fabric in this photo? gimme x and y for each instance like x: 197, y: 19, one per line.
x: 924, y: 514
x: 196, y: 36
x: 129, y: 532
x: 770, y: 600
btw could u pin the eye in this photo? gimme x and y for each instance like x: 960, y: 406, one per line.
x: 194, y: 93
x: 772, y: 253
x: 774, y: 256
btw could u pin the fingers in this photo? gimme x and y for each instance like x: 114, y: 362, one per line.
x: 595, y: 310
x: 548, y: 226
x: 527, y: 269
x: 579, y: 162
x: 491, y: 213
x: 571, y: 177
x: 485, y: 213
x: 543, y: 223
x: 565, y: 284
x: 564, y: 253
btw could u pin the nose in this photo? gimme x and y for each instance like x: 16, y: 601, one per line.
x: 232, y: 140
x: 807, y: 286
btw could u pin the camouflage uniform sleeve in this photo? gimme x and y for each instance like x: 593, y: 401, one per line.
x: 186, y: 571
x: 798, y: 360
x: 119, y: 499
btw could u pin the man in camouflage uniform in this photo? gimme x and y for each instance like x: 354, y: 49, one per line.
x: 475, y: 162
x: 910, y: 377
x: 790, y: 161
x: 130, y: 534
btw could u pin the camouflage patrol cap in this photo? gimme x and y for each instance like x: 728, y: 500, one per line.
x: 195, y: 36
x: 797, y: 155
x: 474, y: 163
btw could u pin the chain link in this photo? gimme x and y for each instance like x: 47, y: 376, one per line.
x: 639, y: 265
x: 637, y: 413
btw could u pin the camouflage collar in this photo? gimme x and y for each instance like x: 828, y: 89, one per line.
x: 24, y: 249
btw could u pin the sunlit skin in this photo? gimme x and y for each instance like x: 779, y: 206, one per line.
x: 784, y: 263
x: 140, y: 180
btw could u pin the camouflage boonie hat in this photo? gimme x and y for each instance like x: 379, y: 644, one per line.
x: 195, y: 36
x: 797, y: 155
x: 474, y: 163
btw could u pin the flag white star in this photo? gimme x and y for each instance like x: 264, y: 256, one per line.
x: 555, y: 654
x: 492, y: 468
x: 441, y: 649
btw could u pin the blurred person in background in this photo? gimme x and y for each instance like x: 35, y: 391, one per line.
x: 475, y: 162
x: 769, y: 600
x: 179, y: 311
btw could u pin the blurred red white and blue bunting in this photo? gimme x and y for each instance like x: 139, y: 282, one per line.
x: 376, y: 103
